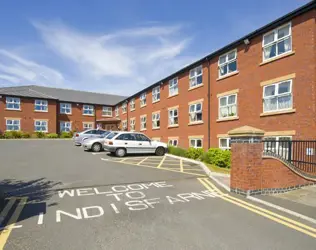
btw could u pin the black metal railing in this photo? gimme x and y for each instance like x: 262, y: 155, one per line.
x: 301, y: 154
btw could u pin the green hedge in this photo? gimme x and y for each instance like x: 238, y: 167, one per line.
x: 40, y: 134
x: 26, y: 135
x: 176, y: 151
x: 194, y: 153
x: 66, y: 135
x: 52, y: 135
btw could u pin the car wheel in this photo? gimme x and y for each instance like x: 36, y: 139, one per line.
x: 120, y: 152
x: 160, y: 151
x: 96, y: 147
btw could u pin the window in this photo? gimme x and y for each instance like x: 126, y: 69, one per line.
x: 173, y: 117
x: 116, y: 111
x: 195, y: 77
x: 107, y: 111
x: 173, y: 142
x: 143, y: 120
x: 13, y: 103
x: 126, y: 137
x: 277, y: 42
x: 173, y: 87
x: 65, y: 108
x: 278, y: 145
x: 132, y: 124
x: 224, y: 143
x: 141, y: 137
x: 41, y: 105
x: 65, y: 126
x: 124, y: 125
x: 195, y: 112
x: 40, y: 126
x: 195, y: 143
x: 112, y: 135
x: 156, y: 94
x: 87, y: 125
x: 143, y: 99
x: 132, y: 104
x: 13, y: 125
x: 228, y: 106
x: 124, y: 107
x: 277, y: 96
x: 227, y: 63
x: 156, y: 120
x: 88, y: 109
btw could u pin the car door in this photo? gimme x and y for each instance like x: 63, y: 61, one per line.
x: 127, y: 141
x: 144, y: 144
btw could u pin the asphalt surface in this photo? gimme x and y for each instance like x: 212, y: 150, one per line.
x: 60, y: 197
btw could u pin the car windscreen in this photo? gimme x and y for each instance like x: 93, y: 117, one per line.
x: 112, y: 135
x: 105, y: 134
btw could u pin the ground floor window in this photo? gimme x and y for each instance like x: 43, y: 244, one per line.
x: 224, y: 143
x: 196, y: 143
x: 143, y: 120
x: 65, y: 126
x: 87, y: 125
x: 278, y: 145
x: 173, y: 142
x: 40, y: 126
x: 132, y: 124
x: 13, y: 125
x: 124, y: 125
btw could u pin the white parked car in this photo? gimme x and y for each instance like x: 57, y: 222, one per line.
x: 122, y: 143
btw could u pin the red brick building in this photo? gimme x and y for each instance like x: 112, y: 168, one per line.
x: 266, y: 79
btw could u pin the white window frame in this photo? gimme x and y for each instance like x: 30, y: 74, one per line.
x: 87, y: 125
x: 276, y: 41
x: 42, y: 104
x: 88, y: 109
x: 277, y: 139
x: 41, y: 122
x: 193, y: 76
x: 227, y: 139
x: 156, y: 94
x: 132, y: 105
x: 124, y: 108
x: 12, y: 120
x: 124, y: 125
x: 173, y: 141
x: 171, y: 117
x: 132, y: 124
x: 63, y: 108
x: 155, y: 117
x: 142, y: 99
x: 195, y: 142
x: 13, y: 101
x: 226, y: 63
x: 64, y: 126
x: 277, y: 95
x: 117, y: 111
x: 173, y: 87
x: 107, y: 111
x: 143, y: 122
x: 193, y: 115
x: 227, y: 106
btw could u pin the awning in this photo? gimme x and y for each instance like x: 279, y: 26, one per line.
x: 109, y: 119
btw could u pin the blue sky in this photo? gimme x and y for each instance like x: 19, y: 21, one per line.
x: 119, y: 46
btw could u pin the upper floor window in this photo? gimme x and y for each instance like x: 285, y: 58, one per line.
x: 277, y: 96
x: 173, y: 87
x: 132, y: 104
x: 195, y: 112
x: 13, y: 125
x: 116, y: 111
x: 88, y: 109
x: 41, y: 105
x: 143, y: 99
x: 107, y: 111
x: 156, y: 94
x: 224, y: 143
x: 227, y: 63
x: 277, y: 42
x: 65, y: 126
x: 40, y: 126
x: 143, y: 122
x: 132, y: 124
x: 227, y: 106
x: 65, y: 108
x: 195, y: 76
x: 124, y: 107
x: 13, y: 103
x: 156, y: 120
x: 173, y: 117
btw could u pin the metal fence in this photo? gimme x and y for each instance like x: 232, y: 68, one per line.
x: 301, y: 154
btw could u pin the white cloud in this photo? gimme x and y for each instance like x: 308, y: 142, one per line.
x: 120, y: 62
x: 15, y: 69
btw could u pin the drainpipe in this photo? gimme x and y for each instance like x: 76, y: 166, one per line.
x: 209, y: 104
x: 127, y: 107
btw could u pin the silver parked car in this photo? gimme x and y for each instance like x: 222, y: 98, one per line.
x: 95, y: 144
x: 79, y: 137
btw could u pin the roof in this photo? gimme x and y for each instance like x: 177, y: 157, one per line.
x: 299, y: 11
x: 66, y: 95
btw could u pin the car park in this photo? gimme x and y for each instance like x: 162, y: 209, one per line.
x: 122, y: 143
x: 95, y: 144
x: 80, y: 137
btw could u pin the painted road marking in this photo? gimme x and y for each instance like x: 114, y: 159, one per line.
x: 142, y: 161
x: 15, y: 216
x: 40, y: 219
x: 163, y: 159
x: 261, y: 211
x: 6, y: 210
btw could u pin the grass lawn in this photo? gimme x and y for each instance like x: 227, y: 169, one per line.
x: 216, y: 169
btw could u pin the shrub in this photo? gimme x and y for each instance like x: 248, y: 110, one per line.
x: 16, y: 134
x: 65, y: 135
x: 52, y: 136
x: 194, y: 153
x: 8, y: 135
x: 26, y: 135
x: 40, y: 134
x: 218, y: 157
x: 176, y: 151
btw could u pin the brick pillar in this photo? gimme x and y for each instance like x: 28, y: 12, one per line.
x: 246, y: 166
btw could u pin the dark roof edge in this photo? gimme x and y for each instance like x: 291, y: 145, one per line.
x: 301, y: 10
